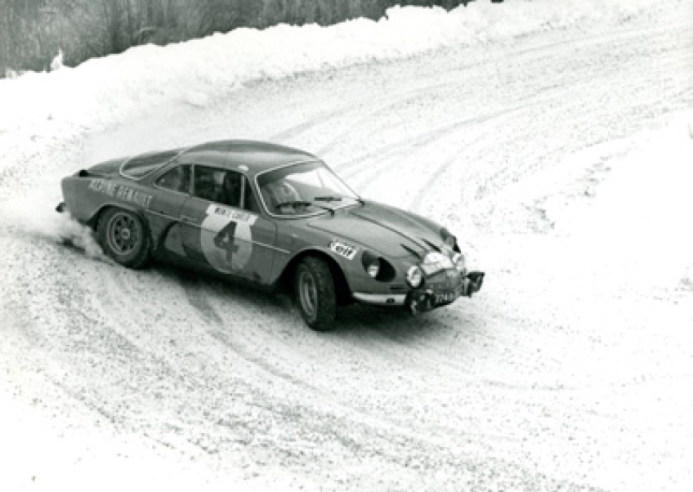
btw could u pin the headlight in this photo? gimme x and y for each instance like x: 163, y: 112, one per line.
x: 373, y: 268
x: 460, y: 262
x: 414, y: 277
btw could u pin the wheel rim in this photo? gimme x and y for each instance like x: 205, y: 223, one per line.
x: 308, y: 294
x: 123, y: 234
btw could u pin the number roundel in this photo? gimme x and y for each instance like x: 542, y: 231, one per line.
x: 226, y: 239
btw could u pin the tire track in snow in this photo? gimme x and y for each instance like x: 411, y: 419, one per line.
x: 466, y: 397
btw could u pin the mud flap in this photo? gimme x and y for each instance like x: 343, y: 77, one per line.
x: 473, y: 281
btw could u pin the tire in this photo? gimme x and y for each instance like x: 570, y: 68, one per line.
x: 316, y: 296
x: 123, y: 237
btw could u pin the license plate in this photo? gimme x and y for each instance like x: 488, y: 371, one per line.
x: 447, y: 297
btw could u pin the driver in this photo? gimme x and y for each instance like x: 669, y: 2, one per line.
x: 279, y: 192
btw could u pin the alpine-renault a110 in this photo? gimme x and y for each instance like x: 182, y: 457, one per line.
x: 271, y: 216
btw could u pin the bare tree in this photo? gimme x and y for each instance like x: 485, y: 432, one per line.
x: 32, y: 31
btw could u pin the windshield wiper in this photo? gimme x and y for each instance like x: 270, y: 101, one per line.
x: 328, y: 198
x: 303, y: 203
x: 335, y: 198
x: 294, y: 203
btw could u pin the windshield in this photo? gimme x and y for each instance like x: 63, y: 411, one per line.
x: 303, y: 189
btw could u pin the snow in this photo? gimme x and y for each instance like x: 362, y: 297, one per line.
x: 105, y: 90
x: 619, y: 203
x: 555, y: 138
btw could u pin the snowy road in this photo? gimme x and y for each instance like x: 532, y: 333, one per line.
x: 571, y: 370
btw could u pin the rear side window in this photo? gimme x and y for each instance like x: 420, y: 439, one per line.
x: 177, y: 179
x: 145, y: 164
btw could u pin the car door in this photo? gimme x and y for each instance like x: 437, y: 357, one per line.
x: 222, y: 230
x: 173, y: 190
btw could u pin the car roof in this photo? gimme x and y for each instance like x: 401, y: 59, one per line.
x: 249, y: 156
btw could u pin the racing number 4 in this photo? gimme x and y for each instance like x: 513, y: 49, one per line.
x: 224, y: 240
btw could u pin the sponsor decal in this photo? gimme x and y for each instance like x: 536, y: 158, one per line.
x: 344, y: 249
x: 227, y: 238
x: 121, y: 192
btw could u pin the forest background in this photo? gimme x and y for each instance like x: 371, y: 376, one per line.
x: 38, y: 35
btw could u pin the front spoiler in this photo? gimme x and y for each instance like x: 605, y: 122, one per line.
x: 424, y: 299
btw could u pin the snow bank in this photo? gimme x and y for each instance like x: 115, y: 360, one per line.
x: 106, y: 90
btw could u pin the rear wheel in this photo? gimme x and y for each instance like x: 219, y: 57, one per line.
x: 315, y: 293
x: 123, y: 237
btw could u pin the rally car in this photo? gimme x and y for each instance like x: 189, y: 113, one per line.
x: 271, y: 216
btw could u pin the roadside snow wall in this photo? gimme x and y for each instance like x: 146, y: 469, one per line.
x: 105, y: 91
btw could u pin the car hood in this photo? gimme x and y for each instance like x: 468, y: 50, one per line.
x: 388, y: 230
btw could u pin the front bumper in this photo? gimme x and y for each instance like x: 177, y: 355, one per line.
x: 426, y: 298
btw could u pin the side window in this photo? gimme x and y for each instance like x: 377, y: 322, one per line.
x: 217, y: 185
x: 231, y: 189
x: 177, y: 179
x: 208, y: 183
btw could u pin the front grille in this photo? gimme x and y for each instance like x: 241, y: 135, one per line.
x: 449, y: 278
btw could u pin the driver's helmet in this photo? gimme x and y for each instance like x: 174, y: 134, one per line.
x: 282, y: 192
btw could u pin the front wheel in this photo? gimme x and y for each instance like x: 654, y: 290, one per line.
x: 123, y: 237
x: 315, y: 293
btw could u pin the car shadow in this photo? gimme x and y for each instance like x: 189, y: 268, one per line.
x: 397, y: 324
x: 355, y: 319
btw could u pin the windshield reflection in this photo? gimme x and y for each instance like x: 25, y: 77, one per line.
x: 303, y: 189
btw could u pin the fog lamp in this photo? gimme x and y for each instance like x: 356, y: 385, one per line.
x: 373, y: 268
x: 414, y: 276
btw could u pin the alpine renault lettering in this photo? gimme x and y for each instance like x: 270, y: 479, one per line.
x: 271, y: 216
